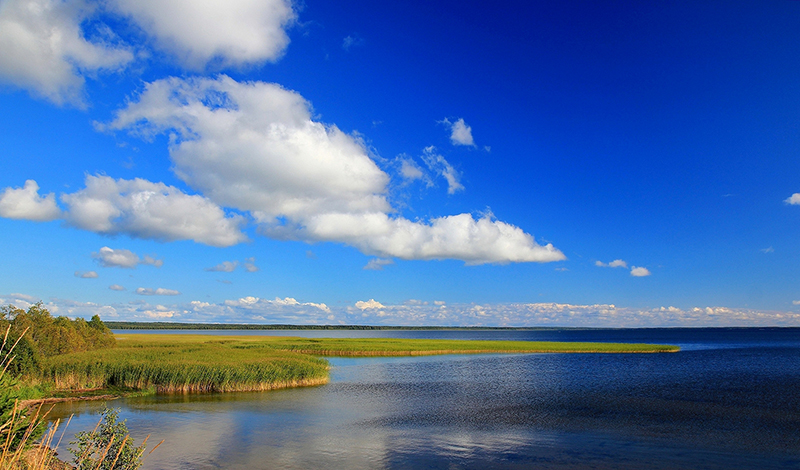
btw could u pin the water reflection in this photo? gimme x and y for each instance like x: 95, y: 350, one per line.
x: 712, y: 407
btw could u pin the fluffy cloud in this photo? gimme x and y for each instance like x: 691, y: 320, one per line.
x: 794, y: 199
x: 617, y: 263
x: 224, y: 267
x: 254, y: 147
x: 116, y: 287
x: 45, y: 46
x: 44, y: 50
x: 460, y: 132
x: 158, y: 291
x: 440, y: 166
x: 120, y: 258
x: 86, y: 275
x: 143, y: 209
x: 639, y: 271
x: 369, y: 304
x: 216, y: 33
x: 25, y: 203
x: 377, y: 264
x: 475, y: 241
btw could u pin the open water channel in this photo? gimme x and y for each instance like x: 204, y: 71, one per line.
x: 729, y: 400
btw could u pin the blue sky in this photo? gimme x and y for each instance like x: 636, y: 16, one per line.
x: 419, y: 163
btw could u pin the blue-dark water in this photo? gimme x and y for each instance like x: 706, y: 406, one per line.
x: 729, y: 400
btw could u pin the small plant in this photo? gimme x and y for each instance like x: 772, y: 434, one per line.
x: 108, y: 446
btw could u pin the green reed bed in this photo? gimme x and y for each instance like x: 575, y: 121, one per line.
x: 202, y: 363
x: 199, y: 366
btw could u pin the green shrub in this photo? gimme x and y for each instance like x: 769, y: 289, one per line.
x: 108, y: 447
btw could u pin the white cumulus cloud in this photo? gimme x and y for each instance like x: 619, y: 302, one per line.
x: 460, y: 132
x: 44, y: 50
x: 25, y: 203
x: 254, y: 146
x: 369, y: 304
x: 639, y: 271
x: 475, y: 241
x: 142, y: 209
x: 215, y: 33
x: 794, y: 199
x: 119, y: 258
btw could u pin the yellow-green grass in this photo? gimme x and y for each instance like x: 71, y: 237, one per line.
x: 204, y: 363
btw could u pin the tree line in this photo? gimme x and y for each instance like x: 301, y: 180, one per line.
x: 38, y: 335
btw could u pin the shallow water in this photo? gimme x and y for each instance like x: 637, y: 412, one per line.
x: 729, y: 399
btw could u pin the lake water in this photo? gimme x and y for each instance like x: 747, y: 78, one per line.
x: 729, y: 400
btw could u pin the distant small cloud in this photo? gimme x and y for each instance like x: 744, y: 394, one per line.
x: 377, y: 264
x: 158, y: 291
x: 152, y: 261
x: 352, y: 40
x: 639, y: 271
x: 562, y: 269
x: 250, y: 265
x: 116, y: 287
x: 86, y: 275
x: 111, y: 258
x: 224, y: 267
x: 460, y: 132
x: 369, y: 304
x: 794, y: 199
x: 121, y: 258
x: 439, y: 165
x: 310, y: 254
x: 224, y: 281
x: 617, y: 263
x: 767, y: 250
x: 795, y: 302
x: 409, y: 169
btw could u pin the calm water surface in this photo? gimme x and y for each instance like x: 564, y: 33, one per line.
x: 729, y: 400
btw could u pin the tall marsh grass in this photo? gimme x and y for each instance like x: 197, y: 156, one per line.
x: 183, y: 367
